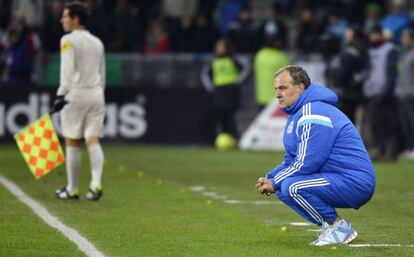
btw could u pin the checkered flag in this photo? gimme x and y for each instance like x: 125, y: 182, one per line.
x: 40, y: 146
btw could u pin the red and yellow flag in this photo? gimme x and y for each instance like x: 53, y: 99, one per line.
x: 40, y: 146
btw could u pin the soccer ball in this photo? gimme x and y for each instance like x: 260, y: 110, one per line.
x: 225, y: 142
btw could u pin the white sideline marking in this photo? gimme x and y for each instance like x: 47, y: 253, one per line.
x: 233, y: 201
x: 380, y: 245
x: 214, y: 195
x: 259, y: 202
x: 300, y: 224
x: 196, y: 188
x: 83, y: 244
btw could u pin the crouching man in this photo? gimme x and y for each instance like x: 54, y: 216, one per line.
x: 326, y: 165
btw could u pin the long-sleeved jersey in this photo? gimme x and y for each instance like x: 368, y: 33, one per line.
x: 319, y: 138
x: 82, y: 68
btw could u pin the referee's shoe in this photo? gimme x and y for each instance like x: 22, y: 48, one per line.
x: 94, y: 194
x: 64, y: 194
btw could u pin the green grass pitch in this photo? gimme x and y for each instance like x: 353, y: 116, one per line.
x: 148, y: 209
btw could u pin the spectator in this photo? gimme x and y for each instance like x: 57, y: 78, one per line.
x: 207, y: 34
x: 353, y: 10
x: 5, y: 11
x: 228, y: 11
x: 269, y: 59
x: 405, y: 91
x: 179, y: 8
x: 273, y: 26
x: 22, y: 44
x: 396, y: 20
x: 183, y: 40
x: 223, y: 78
x: 97, y: 22
x: 157, y: 40
x: 146, y: 10
x: 32, y: 10
x: 346, y: 72
x: 2, y: 54
x: 309, y: 29
x: 244, y: 33
x: 175, y: 11
x: 372, y: 16
x: 329, y: 46
x: 379, y: 90
x: 52, y: 33
x: 336, y: 25
x: 123, y: 27
x: 206, y: 9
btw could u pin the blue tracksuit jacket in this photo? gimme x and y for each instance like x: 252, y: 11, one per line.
x: 319, y: 138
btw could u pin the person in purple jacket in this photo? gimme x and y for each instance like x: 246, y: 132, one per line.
x: 326, y: 164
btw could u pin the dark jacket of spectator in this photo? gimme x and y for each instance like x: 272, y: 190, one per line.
x: 273, y: 26
x: 308, y: 33
x: 346, y: 73
x: 183, y: 40
x: 123, y: 27
x: 206, y: 34
x: 244, y: 33
x: 53, y: 31
x: 97, y: 21
x: 19, y: 56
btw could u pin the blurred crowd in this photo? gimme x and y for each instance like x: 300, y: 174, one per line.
x: 367, y: 46
x: 158, y: 26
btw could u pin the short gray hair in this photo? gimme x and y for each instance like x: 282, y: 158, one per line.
x: 298, y: 74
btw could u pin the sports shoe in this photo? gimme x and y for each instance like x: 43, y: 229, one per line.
x: 64, y: 194
x: 94, y: 194
x: 321, y: 232
x: 339, y: 233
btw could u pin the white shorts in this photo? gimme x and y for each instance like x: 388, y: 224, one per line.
x: 83, y: 119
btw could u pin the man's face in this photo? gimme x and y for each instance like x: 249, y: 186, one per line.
x: 286, y: 92
x: 406, y: 39
x: 67, y: 21
x: 375, y: 37
x: 349, y: 35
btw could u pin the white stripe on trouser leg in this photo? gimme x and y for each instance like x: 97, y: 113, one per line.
x: 301, y: 201
x: 308, y: 183
x: 306, y: 206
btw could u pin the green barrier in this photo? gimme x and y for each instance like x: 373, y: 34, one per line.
x: 51, y: 72
x: 50, y: 76
x: 113, y: 70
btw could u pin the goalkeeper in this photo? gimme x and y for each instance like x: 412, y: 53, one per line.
x: 326, y: 165
x: 81, y: 99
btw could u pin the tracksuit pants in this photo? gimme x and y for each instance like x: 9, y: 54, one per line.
x: 315, y: 196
